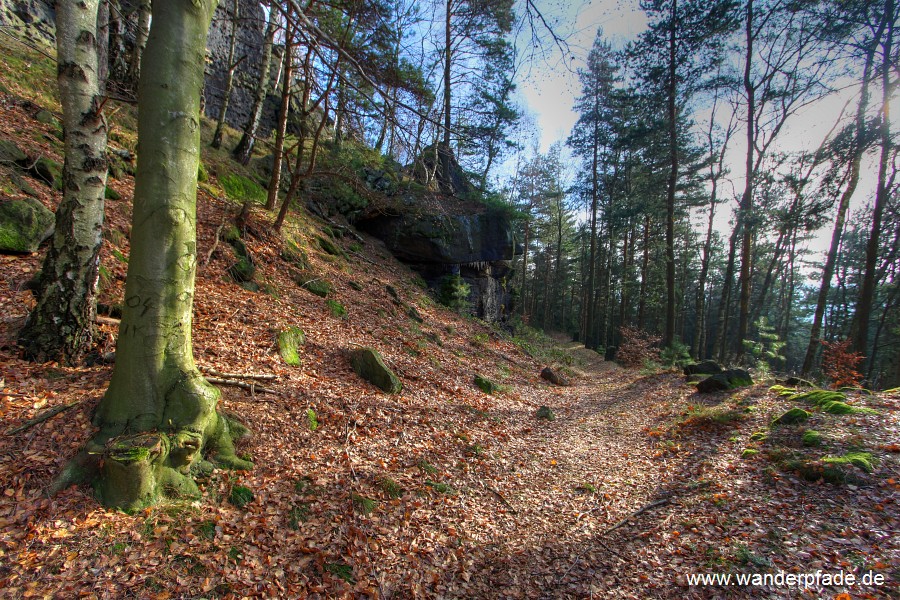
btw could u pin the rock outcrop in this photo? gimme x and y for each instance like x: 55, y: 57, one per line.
x: 477, y: 246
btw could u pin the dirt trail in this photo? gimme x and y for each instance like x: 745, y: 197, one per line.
x: 572, y: 479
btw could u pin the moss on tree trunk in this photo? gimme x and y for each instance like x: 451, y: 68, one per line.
x: 159, y: 415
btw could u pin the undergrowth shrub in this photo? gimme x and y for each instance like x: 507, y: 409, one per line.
x: 840, y: 364
x: 637, y: 347
x: 454, y: 293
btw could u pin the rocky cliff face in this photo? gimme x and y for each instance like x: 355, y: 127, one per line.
x: 248, y: 51
x: 34, y: 20
x: 476, y: 246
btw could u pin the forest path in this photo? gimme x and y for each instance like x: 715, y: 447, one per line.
x: 576, y: 477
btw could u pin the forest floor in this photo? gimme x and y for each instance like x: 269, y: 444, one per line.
x: 442, y: 490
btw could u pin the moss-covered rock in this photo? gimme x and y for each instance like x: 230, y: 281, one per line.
x: 243, y: 271
x: 330, y: 247
x: 706, y: 367
x: 23, y: 185
x: 860, y: 460
x: 289, y: 342
x: 11, y: 153
x: 553, y: 377
x: 811, y: 437
x: 24, y: 225
x: 111, y: 194
x: 368, y: 364
x: 792, y: 417
x: 45, y: 117
x: 486, y: 385
x: 47, y: 170
x: 294, y: 254
x: 749, y: 453
x: 726, y: 380
x: 819, y: 397
x: 314, y: 284
x: 546, y: 413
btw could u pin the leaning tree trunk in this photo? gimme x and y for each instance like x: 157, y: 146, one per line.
x: 244, y: 149
x: 159, y: 414
x: 60, y: 326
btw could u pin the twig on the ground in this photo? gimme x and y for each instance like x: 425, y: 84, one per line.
x: 215, y: 244
x: 107, y: 320
x: 636, y: 513
x: 251, y: 387
x: 42, y: 417
x: 503, y: 500
x: 215, y: 373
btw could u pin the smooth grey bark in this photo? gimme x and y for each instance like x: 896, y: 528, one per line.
x: 244, y: 149
x: 61, y: 325
x: 158, y: 416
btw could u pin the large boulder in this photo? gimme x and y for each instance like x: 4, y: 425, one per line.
x: 24, y: 225
x: 726, y: 380
x: 553, y: 377
x: 706, y: 367
x: 368, y: 364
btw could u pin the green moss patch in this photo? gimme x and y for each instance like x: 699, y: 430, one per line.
x: 819, y: 397
x: 336, y: 308
x: 792, y: 417
x: 24, y: 224
x: 546, y: 413
x: 836, y: 407
x: 811, y: 437
x: 240, y: 188
x: 314, y: 284
x: 441, y: 488
x: 860, y: 460
x: 240, y: 496
x: 486, y: 385
x: 782, y: 390
x: 289, y: 342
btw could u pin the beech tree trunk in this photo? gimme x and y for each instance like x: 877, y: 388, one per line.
x: 244, y: 149
x: 159, y: 416
x: 60, y: 326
